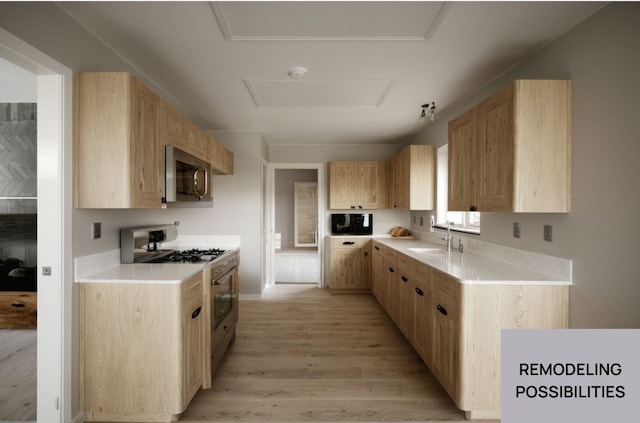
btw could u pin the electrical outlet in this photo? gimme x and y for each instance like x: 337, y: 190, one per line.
x: 96, y: 230
x: 414, y: 220
x: 516, y: 229
x: 421, y: 221
x: 548, y: 233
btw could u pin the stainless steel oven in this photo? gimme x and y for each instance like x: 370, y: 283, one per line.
x: 224, y: 301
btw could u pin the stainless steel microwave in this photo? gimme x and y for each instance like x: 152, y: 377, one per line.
x: 187, y: 180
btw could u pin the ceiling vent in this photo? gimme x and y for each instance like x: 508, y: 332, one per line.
x: 319, y: 93
x: 312, y: 20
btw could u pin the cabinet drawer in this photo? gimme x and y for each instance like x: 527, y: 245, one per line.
x: 445, y: 291
x: 349, y: 242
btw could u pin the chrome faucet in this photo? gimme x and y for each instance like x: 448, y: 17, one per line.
x: 448, y: 238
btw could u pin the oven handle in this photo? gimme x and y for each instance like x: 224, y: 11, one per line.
x: 206, y: 182
x: 222, y: 278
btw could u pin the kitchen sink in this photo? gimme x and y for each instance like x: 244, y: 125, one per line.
x: 427, y: 250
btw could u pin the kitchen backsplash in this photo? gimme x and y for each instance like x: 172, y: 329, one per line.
x: 548, y: 265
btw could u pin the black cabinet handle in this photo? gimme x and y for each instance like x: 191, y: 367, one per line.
x: 442, y: 309
x: 196, y: 312
x: 419, y: 292
x: 391, y: 270
x: 404, y: 279
x: 366, y: 254
x: 377, y: 248
x: 348, y: 243
x: 473, y: 208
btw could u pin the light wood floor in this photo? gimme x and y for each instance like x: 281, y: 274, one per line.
x: 18, y: 374
x: 303, y: 355
x: 297, y: 265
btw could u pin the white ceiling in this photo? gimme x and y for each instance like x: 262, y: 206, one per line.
x: 371, y: 65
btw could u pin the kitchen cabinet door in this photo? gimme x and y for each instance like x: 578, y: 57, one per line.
x: 192, y: 342
x: 402, y: 180
x: 495, y: 148
x: 390, y: 285
x: 462, y: 162
x: 377, y: 272
x: 406, y: 292
x: 370, y: 184
x: 349, y: 258
x: 147, y: 153
x: 422, y: 338
x: 512, y: 152
x: 342, y: 185
x: 445, y: 328
x: 413, y: 186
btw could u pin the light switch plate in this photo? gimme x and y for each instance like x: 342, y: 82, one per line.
x: 548, y: 233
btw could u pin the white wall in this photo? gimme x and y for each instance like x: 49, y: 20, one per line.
x: 602, y: 58
x: 16, y: 84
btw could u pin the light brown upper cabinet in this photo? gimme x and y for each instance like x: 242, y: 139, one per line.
x: 174, y: 127
x: 413, y: 178
x: 356, y: 185
x: 118, y: 155
x: 512, y: 152
x: 121, y: 129
x: 221, y: 158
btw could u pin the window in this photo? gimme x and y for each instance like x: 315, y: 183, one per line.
x: 461, y: 221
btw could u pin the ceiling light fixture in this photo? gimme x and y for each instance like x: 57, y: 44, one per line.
x: 431, y: 111
x: 297, y: 72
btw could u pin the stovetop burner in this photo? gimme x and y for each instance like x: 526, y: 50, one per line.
x: 194, y: 255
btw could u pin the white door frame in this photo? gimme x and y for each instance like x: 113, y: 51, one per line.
x: 54, y: 225
x: 271, y: 204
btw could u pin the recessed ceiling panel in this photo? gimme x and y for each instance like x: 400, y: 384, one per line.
x: 319, y: 93
x: 311, y: 20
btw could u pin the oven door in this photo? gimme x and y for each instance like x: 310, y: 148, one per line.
x: 223, y: 298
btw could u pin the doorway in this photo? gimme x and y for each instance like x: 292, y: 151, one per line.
x: 296, y: 224
x: 18, y: 243
x: 53, y: 252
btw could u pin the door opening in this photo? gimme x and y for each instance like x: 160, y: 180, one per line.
x: 296, y: 223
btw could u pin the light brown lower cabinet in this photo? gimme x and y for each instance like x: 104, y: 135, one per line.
x: 141, y: 349
x: 456, y: 327
x: 350, y: 263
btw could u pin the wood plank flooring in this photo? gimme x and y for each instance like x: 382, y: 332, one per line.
x: 18, y: 374
x: 296, y: 266
x: 303, y: 355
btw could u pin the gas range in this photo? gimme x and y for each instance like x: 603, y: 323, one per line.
x: 145, y: 245
x: 193, y: 255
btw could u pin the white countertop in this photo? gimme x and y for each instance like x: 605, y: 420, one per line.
x: 110, y: 270
x: 144, y: 273
x: 471, y: 268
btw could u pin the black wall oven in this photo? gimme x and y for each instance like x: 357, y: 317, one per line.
x: 352, y: 224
